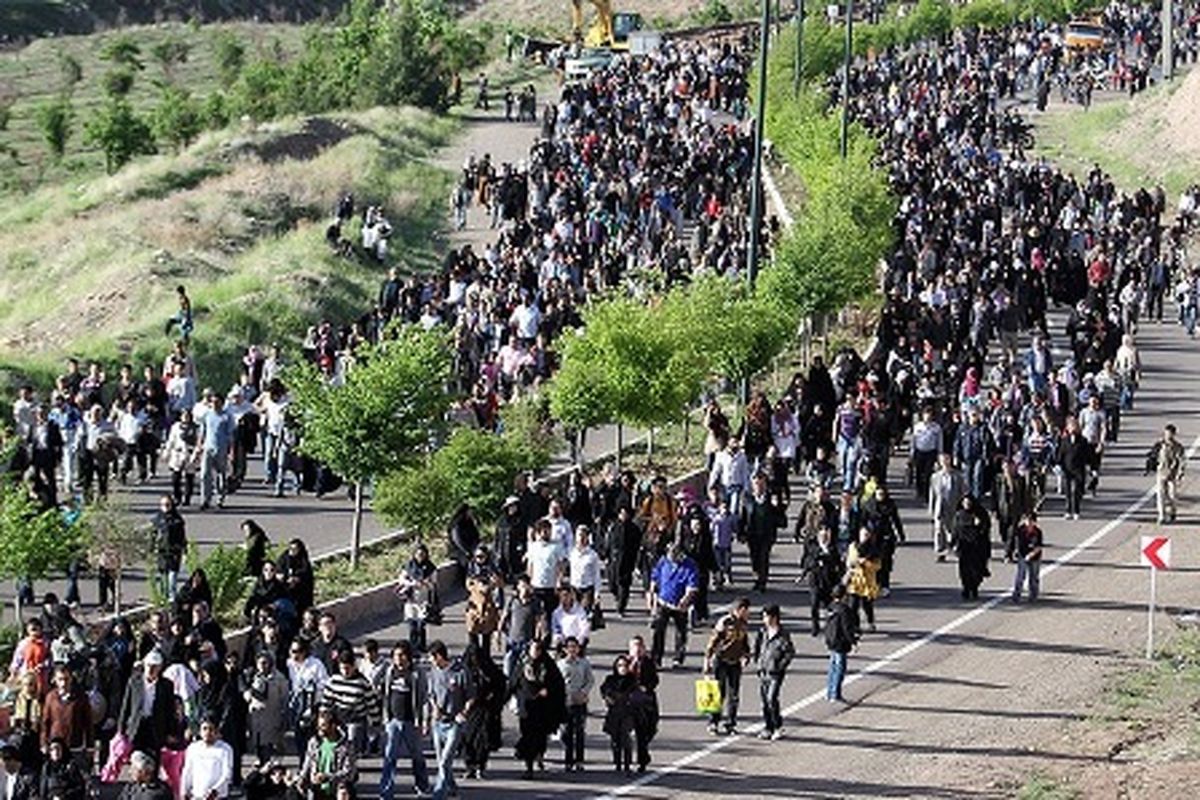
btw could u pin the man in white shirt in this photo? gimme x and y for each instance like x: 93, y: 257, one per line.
x: 926, y: 445
x: 306, y: 677
x: 543, y: 560
x: 561, y: 531
x: 526, y: 318
x: 207, y: 765
x: 181, y: 390
x: 585, y: 567
x: 569, y: 620
x: 731, y: 472
x: 23, y: 412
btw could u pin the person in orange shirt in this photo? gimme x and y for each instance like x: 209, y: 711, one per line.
x: 658, y: 516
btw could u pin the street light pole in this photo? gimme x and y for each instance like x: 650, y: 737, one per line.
x: 848, y: 56
x: 756, y: 194
x: 1168, y: 40
x: 799, y: 66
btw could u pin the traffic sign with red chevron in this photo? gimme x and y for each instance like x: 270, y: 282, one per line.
x: 1156, y: 552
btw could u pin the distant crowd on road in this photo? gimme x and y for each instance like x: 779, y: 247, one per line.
x: 972, y: 397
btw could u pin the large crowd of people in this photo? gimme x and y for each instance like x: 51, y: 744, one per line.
x: 976, y: 397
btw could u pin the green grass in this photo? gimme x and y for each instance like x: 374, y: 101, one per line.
x: 1043, y: 787
x: 32, y: 76
x: 1157, y: 687
x: 246, y: 237
x: 1077, y: 140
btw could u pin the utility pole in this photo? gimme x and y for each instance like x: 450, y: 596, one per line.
x: 849, y: 56
x: 798, y: 77
x: 1168, y: 40
x: 756, y: 194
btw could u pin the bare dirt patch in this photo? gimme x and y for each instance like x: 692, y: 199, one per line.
x: 1181, y: 117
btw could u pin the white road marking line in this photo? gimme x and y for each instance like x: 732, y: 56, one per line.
x: 891, y: 658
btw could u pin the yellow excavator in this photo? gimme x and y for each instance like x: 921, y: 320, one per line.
x: 609, y: 29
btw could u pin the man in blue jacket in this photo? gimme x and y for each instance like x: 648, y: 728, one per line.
x: 673, y: 586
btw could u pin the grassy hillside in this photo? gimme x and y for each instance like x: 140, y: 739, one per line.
x: 1151, y: 138
x: 89, y: 269
x: 21, y: 19
x: 33, y: 75
x: 553, y: 17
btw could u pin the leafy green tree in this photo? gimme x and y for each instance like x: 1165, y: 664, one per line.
x: 215, y: 112
x: 119, y: 132
x: 650, y: 373
x: 71, y: 71
x: 33, y: 542
x: 474, y: 467
x: 580, y: 394
x: 382, y: 417
x: 178, y: 118
x: 930, y: 19
x: 118, y: 82
x: 169, y: 54
x: 116, y: 543
x: 123, y: 51
x: 54, y: 119
x: 230, y: 56
x: 225, y: 568
x: 261, y: 90
x: 734, y: 332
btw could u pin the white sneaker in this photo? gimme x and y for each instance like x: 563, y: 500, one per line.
x: 776, y: 734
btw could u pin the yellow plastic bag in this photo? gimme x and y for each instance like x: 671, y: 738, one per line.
x: 708, y: 696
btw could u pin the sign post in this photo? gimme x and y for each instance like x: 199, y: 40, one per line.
x: 1155, y: 553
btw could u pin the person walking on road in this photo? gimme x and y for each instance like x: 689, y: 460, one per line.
x: 822, y: 565
x: 674, y: 584
x: 1169, y: 461
x: 540, y: 692
x: 578, y: 682
x: 946, y: 489
x: 170, y: 542
x: 774, y: 651
x: 451, y: 697
x: 727, y: 652
x: 972, y: 545
x: 404, y: 689
x: 841, y: 636
x: 764, y: 515
x: 1025, y: 549
x: 1074, y: 458
x: 863, y: 561
x: 629, y: 716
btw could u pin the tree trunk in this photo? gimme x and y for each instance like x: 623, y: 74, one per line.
x: 117, y: 592
x: 19, y: 620
x: 650, y: 443
x: 620, y: 444
x: 356, y: 527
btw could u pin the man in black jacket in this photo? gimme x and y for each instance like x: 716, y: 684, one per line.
x: 148, y: 709
x: 1074, y: 457
x: 24, y: 782
x: 512, y: 539
x: 823, y: 565
x: 170, y: 542
x: 45, y: 448
x: 763, y: 515
x: 841, y: 636
x: 774, y: 651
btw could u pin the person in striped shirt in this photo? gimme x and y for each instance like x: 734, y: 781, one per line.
x: 350, y: 694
